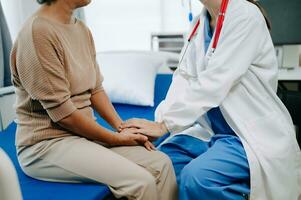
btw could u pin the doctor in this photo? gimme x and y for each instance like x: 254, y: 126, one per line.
x: 231, y: 135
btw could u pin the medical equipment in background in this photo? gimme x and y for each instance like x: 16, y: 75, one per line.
x: 171, y: 41
x: 174, y: 41
x: 286, y: 30
x: 190, y: 15
x: 219, y: 26
x: 168, y: 42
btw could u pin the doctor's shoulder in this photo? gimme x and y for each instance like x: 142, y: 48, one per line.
x: 245, y: 16
x: 259, y: 12
x: 256, y: 12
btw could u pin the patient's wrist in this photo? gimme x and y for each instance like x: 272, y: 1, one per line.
x: 117, y: 126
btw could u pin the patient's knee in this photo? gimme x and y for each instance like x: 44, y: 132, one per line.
x: 162, y: 166
x: 145, y: 187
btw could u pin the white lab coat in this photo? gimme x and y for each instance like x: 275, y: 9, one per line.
x: 241, y: 78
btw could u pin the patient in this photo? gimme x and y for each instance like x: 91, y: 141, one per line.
x: 57, y: 83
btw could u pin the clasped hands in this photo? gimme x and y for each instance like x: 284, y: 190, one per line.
x: 146, y: 129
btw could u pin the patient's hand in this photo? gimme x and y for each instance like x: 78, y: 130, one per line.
x: 132, y: 132
x: 149, y: 146
x: 128, y: 137
x: 145, y: 127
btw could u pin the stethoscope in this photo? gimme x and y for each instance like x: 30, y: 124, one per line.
x: 219, y: 26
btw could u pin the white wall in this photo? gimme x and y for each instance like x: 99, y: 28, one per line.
x: 16, y: 12
x: 117, y: 24
x: 123, y: 25
x: 175, y: 14
x: 128, y: 24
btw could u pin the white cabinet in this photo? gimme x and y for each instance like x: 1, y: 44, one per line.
x: 168, y: 42
x: 171, y: 42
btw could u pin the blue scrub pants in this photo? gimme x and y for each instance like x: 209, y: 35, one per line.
x: 215, y: 170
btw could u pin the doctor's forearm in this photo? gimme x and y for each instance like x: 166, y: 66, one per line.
x: 102, y: 104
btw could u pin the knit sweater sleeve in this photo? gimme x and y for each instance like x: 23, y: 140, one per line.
x: 43, y: 74
x: 99, y: 77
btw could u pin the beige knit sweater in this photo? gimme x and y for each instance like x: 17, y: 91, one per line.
x: 54, y: 71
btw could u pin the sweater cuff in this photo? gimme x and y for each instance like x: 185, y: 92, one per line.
x: 60, y: 112
x: 97, y: 89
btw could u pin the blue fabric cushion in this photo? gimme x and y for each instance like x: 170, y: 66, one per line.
x: 33, y: 189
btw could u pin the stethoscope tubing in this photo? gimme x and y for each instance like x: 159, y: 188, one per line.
x: 219, y: 27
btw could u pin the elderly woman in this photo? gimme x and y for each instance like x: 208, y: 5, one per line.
x: 58, y: 82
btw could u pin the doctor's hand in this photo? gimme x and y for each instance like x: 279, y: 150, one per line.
x: 145, y: 127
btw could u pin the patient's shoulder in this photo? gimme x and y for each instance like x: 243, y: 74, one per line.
x: 41, y: 26
x: 83, y: 26
x: 34, y: 31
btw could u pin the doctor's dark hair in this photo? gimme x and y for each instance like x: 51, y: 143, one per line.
x: 48, y: 2
x: 264, y: 13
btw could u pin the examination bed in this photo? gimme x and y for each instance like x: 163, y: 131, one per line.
x: 33, y: 189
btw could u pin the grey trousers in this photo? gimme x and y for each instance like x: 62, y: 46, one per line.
x: 131, y: 172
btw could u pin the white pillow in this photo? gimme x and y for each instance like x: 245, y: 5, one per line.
x: 129, y: 76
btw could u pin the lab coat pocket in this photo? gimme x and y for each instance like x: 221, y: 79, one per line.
x: 188, y: 67
x: 270, y: 136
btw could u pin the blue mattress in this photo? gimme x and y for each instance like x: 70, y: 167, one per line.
x: 33, y: 189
